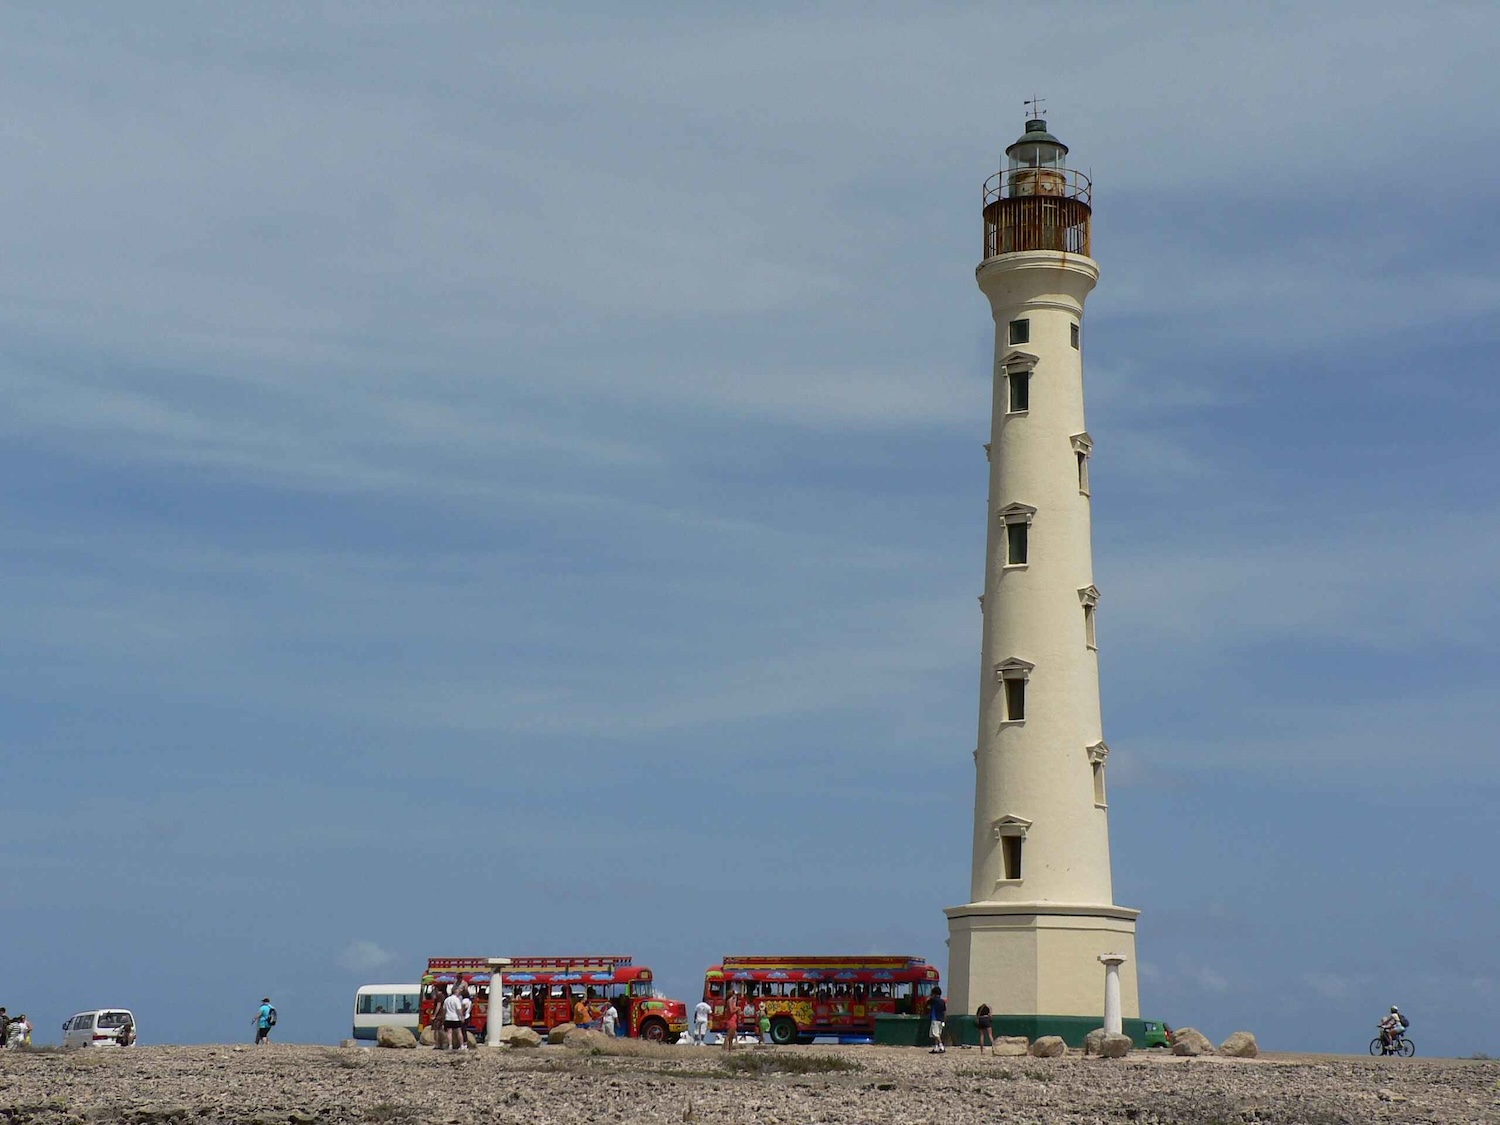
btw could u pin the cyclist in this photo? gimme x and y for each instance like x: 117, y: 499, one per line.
x: 1392, y: 1026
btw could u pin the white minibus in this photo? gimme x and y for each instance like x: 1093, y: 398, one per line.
x: 103, y: 1027
x: 376, y: 1004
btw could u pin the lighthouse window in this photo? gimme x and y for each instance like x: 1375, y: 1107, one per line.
x: 1019, y: 400
x: 1015, y: 700
x: 1090, y: 638
x: 1083, y: 473
x: 1099, y: 784
x: 1010, y: 851
x: 1073, y: 334
x: 1020, y: 332
x: 1015, y: 544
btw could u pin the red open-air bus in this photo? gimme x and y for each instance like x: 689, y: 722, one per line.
x: 540, y: 992
x: 811, y: 996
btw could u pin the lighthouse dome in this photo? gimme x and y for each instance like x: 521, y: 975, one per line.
x: 1036, y: 148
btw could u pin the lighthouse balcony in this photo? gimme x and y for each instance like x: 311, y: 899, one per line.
x: 1037, y: 208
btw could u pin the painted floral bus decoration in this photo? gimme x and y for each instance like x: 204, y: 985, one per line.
x: 541, y: 992
x: 811, y: 996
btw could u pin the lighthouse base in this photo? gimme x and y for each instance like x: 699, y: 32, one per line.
x: 1039, y: 958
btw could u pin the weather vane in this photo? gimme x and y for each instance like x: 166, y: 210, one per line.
x: 1035, y: 106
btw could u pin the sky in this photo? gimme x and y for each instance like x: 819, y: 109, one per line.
x: 507, y: 479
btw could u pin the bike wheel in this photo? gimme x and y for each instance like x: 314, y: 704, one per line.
x: 1407, y: 1048
x: 1376, y: 1046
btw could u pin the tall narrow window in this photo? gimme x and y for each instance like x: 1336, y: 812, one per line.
x: 1017, y: 519
x: 1073, y: 334
x: 1098, y: 754
x: 1019, y: 399
x: 1015, y: 700
x: 1010, y: 850
x: 1020, y: 332
x: 1015, y: 544
x: 1089, y: 597
x: 1083, y: 449
x: 1012, y: 673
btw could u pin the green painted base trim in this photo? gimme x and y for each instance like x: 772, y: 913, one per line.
x: 1072, y: 1029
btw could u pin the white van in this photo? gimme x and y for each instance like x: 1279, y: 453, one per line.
x: 376, y: 1004
x: 103, y: 1027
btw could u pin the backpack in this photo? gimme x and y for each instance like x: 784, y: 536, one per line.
x: 271, y: 1018
x: 1405, y: 1023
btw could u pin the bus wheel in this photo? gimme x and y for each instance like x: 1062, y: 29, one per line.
x: 654, y: 1030
x: 783, y: 1031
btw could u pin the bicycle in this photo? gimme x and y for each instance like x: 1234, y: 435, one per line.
x: 1399, y: 1045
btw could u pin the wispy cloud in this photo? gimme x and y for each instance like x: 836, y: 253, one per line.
x: 364, y: 956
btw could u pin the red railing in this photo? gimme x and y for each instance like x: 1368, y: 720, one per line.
x: 1037, y: 209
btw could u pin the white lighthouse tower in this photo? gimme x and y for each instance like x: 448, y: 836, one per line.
x: 1041, y: 912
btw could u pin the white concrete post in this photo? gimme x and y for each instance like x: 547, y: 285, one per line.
x: 1112, y: 1022
x: 496, y: 1016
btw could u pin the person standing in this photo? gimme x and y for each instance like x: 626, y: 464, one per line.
x: 453, y: 1020
x: 611, y: 1020
x: 701, y: 1015
x: 4, y: 1027
x: 985, y: 1022
x: 468, y: 1031
x: 937, y: 1013
x: 265, y: 1020
x: 732, y: 1009
x: 763, y: 1022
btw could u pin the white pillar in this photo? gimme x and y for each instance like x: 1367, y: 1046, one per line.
x: 1112, y: 1022
x: 496, y: 1016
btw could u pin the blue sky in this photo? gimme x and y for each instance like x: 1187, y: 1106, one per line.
x: 508, y: 479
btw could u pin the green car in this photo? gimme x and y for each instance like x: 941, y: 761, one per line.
x: 1157, y: 1034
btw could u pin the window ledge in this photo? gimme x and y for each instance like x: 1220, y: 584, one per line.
x: 1016, y: 413
x: 1014, y: 566
x: 1097, y: 805
x: 1012, y: 722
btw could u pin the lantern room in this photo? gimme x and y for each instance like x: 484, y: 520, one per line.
x: 1037, y: 202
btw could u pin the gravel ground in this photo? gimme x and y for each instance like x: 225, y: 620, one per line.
x: 304, y: 1085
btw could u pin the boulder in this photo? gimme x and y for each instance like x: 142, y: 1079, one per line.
x: 1013, y: 1046
x: 1115, y: 1046
x: 342, y: 1043
x: 1240, y: 1045
x: 391, y: 1035
x: 1049, y: 1047
x: 513, y: 1036
x: 559, y: 1034
x: 1094, y: 1041
x: 1191, y: 1042
x: 427, y: 1037
x: 585, y: 1037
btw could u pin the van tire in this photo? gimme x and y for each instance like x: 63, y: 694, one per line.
x: 654, y: 1031
x: 783, y: 1031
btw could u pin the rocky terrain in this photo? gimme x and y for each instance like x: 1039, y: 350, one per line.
x: 305, y: 1085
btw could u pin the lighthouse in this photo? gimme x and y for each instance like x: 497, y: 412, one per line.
x: 1041, y: 910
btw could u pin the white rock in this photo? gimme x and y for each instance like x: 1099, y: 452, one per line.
x: 1240, y: 1045
x: 1050, y: 1047
x: 1191, y: 1042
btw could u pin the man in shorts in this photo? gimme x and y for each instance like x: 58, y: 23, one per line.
x: 453, y: 1021
x: 265, y: 1019
x: 937, y: 1012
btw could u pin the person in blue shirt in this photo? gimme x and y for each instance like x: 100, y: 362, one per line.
x: 265, y: 1020
x: 937, y: 1012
